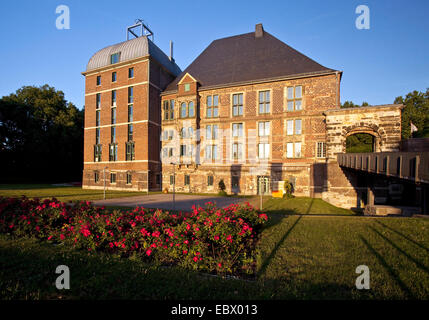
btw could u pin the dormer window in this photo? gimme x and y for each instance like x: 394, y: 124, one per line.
x: 114, y: 58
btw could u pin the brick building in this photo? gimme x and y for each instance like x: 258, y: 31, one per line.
x: 123, y: 83
x: 249, y: 110
x: 254, y: 107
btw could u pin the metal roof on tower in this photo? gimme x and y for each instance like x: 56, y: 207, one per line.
x: 131, y: 49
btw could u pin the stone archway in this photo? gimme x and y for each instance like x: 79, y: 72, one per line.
x: 382, y: 122
x: 369, y: 128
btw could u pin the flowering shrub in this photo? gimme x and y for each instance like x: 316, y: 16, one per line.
x: 209, y: 239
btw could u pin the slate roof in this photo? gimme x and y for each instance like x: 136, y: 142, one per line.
x: 246, y: 58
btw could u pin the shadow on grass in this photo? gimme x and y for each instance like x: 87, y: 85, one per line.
x: 415, y: 261
x: 267, y: 261
x: 403, y: 236
x: 30, y: 274
x: 393, y: 274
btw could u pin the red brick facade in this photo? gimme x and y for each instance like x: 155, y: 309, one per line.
x: 305, y: 171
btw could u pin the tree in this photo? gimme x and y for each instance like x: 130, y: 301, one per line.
x: 41, y: 136
x: 416, y: 110
x: 350, y: 104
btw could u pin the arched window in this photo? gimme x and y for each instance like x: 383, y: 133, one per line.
x: 183, y: 110
x: 191, y: 109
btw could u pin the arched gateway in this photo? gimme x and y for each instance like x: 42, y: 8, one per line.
x: 382, y: 122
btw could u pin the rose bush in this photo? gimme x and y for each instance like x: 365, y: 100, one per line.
x: 210, y: 239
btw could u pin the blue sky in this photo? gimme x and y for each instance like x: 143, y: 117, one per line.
x: 388, y: 60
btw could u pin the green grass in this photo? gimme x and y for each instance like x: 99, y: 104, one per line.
x: 44, y: 191
x: 300, y: 205
x: 301, y: 257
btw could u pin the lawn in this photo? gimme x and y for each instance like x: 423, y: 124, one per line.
x: 301, y: 257
x: 300, y: 206
x: 44, y: 191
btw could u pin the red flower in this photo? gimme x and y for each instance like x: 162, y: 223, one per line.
x: 219, y: 265
x: 195, y: 259
x: 185, y: 251
x: 148, y: 252
x: 62, y: 237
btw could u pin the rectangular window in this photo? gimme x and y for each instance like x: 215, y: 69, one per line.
x: 97, y: 101
x: 130, y: 113
x: 321, y: 150
x: 130, y: 132
x: 113, y: 134
x: 289, y: 130
x: 97, y: 135
x: 210, y: 181
x: 129, y: 151
x: 113, y: 76
x: 96, y: 177
x: 263, y: 150
x: 212, y: 106
x: 114, y: 58
x: 113, y: 152
x: 190, y: 150
x: 289, y: 150
x: 264, y: 102
x: 114, y: 98
x: 113, y: 115
x: 237, y: 151
x: 237, y: 129
x: 182, y: 150
x: 187, y: 180
x: 170, y: 152
x: 187, y: 87
x: 171, y: 109
x: 97, y: 118
x: 172, y: 179
x: 113, y: 178
x: 130, y: 94
x: 264, y: 129
x: 237, y: 104
x: 97, y: 153
x: 211, y: 152
x: 98, y: 80
x: 298, y: 126
x: 297, y: 149
x: 131, y: 73
x: 129, y: 178
x: 170, y: 135
x: 166, y: 110
x: 294, y: 98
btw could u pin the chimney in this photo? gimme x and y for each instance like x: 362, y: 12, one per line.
x: 259, y: 30
x: 171, y: 51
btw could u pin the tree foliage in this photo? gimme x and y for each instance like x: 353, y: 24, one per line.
x: 41, y: 136
x: 350, y: 104
x: 416, y: 110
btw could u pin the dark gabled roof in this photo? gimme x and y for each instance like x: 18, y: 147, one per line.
x: 246, y: 58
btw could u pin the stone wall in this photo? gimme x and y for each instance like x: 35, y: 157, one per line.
x: 383, y: 122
